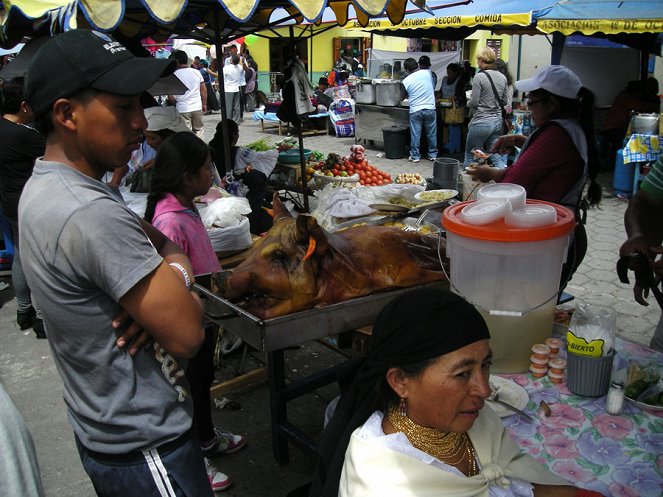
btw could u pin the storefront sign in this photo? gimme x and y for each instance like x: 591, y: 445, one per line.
x: 448, y: 22
x: 607, y: 26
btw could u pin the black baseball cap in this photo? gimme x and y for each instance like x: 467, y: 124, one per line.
x: 80, y: 59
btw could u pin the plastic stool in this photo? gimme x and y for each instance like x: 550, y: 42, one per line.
x: 637, y: 176
x: 452, y: 145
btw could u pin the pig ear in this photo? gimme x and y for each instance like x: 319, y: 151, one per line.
x: 279, y: 209
x: 307, y: 227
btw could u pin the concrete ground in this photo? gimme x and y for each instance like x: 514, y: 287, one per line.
x: 29, y: 375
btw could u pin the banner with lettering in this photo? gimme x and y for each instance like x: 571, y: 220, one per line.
x: 450, y: 21
x: 607, y: 26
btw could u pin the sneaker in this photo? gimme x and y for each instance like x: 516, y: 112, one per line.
x: 224, y: 443
x: 38, y: 327
x: 413, y: 159
x: 25, y: 319
x: 432, y: 159
x: 218, y: 481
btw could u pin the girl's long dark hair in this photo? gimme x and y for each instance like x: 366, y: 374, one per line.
x: 583, y: 107
x: 181, y: 153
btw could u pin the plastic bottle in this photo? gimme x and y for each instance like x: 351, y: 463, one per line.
x: 614, y: 402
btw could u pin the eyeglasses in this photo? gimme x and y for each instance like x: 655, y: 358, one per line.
x: 531, y: 102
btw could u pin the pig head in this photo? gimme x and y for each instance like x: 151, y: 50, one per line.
x: 297, y: 265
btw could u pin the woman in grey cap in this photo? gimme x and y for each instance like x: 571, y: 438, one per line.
x: 560, y: 155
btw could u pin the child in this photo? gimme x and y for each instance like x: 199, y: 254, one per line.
x: 181, y: 172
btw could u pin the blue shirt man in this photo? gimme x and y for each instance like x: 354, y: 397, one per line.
x: 421, y: 96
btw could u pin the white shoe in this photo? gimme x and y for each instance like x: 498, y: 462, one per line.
x: 218, y: 480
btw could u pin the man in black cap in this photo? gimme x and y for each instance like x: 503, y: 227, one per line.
x: 114, y: 292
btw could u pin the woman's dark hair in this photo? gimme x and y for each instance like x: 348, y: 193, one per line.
x: 182, y: 153
x: 12, y: 96
x: 164, y: 134
x: 217, y: 147
x: 386, y: 394
x: 585, y: 114
x: 501, y: 66
x: 453, y: 67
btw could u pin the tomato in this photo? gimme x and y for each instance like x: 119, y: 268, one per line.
x: 344, y: 168
x: 335, y: 172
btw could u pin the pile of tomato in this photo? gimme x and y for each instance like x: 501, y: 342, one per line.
x: 368, y: 175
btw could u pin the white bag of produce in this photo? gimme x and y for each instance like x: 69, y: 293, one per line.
x: 225, y: 212
x: 232, y: 237
x: 343, y: 202
x: 382, y: 194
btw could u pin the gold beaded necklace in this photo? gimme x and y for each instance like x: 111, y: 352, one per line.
x: 450, y: 447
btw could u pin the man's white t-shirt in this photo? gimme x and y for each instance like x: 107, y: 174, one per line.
x: 232, y: 76
x: 190, y: 101
x: 242, y: 61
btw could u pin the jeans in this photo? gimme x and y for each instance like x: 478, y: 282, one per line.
x: 483, y: 136
x: 426, y: 118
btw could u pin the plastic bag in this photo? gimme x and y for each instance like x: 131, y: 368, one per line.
x: 224, y: 212
x: 261, y: 161
x: 591, y: 331
x: 231, y: 237
x: 343, y: 202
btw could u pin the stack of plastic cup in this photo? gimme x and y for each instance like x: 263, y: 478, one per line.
x: 539, y: 360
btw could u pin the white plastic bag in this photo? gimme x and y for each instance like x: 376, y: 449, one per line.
x: 591, y: 331
x: 232, y: 237
x: 224, y: 212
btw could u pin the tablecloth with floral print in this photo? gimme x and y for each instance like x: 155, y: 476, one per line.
x: 619, y: 456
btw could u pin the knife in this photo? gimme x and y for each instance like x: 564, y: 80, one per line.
x: 513, y: 408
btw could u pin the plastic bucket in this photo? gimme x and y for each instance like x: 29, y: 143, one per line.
x: 511, y: 274
x: 445, y: 173
x: 395, y: 141
x: 622, y: 181
x: 589, y: 376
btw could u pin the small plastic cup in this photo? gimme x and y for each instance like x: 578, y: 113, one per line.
x: 540, y: 350
x: 538, y: 360
x: 556, y: 377
x: 557, y: 366
x: 555, y: 344
x: 538, y: 371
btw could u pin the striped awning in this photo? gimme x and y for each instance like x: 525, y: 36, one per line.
x: 20, y: 16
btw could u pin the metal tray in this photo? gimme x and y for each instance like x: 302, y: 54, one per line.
x: 294, y: 329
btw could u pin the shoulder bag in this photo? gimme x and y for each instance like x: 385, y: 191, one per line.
x: 506, y: 121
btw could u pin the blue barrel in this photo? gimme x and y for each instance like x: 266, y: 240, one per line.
x: 623, y: 178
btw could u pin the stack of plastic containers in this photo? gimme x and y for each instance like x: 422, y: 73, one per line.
x: 506, y: 259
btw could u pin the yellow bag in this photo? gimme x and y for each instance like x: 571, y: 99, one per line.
x: 454, y: 115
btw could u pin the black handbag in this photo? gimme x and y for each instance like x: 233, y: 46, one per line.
x: 507, y: 124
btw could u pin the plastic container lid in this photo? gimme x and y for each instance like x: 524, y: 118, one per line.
x: 513, y: 193
x: 554, y: 343
x: 484, y: 211
x: 535, y: 368
x: 557, y: 363
x: 538, y: 360
x: 531, y: 216
x: 558, y: 376
x: 541, y: 349
x: 498, y: 231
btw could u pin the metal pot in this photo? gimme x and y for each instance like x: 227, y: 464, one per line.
x: 645, y: 124
x: 388, y: 94
x: 365, y: 93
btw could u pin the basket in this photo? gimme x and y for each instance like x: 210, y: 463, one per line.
x: 454, y: 115
x: 321, y: 180
x: 291, y: 156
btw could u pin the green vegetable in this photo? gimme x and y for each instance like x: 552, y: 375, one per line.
x: 636, y: 388
x: 317, y: 156
x: 260, y: 145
